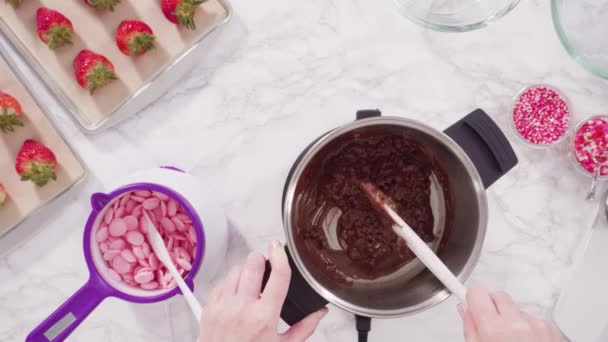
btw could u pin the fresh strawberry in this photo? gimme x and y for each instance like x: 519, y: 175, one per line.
x: 93, y: 70
x: 36, y: 162
x: 3, y: 195
x: 54, y: 28
x: 15, y: 3
x: 181, y: 11
x: 134, y: 37
x: 10, y: 111
x: 102, y: 4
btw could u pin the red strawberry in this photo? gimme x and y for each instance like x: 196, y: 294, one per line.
x: 36, y: 162
x: 10, y: 111
x: 93, y: 70
x: 15, y: 3
x: 3, y: 195
x: 181, y: 11
x: 134, y: 37
x: 102, y: 4
x: 54, y: 28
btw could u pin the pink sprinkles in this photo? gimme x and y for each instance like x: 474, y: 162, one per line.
x: 541, y: 116
x: 591, y: 140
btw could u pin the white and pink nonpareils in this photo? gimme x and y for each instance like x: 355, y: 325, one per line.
x: 541, y: 115
x: 591, y: 140
x: 122, y: 240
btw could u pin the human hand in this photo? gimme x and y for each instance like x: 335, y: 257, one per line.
x: 237, y: 311
x: 496, y: 318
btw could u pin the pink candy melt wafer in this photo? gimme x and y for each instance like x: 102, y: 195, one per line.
x: 143, y: 193
x: 114, y: 275
x: 172, y: 208
x: 160, y: 196
x: 170, y: 243
x: 183, y: 217
x: 153, y: 261
x: 131, y: 222
x: 128, y: 255
x: 119, y: 244
x: 191, y: 234
x: 138, y: 199
x: 143, y: 225
x: 167, y: 224
x: 118, y: 227
x: 151, y: 203
x: 110, y: 254
x: 144, y: 277
x: 121, y: 238
x: 120, y: 265
x: 163, y: 209
x: 138, y: 252
x: 181, y: 253
x: 145, y: 247
x: 179, y: 225
x: 153, y: 285
x: 157, y: 214
x: 184, y: 264
x: 102, y: 234
x: 130, y: 206
x: 137, y: 211
x: 124, y: 200
x: 135, y: 238
x: 120, y: 212
x: 109, y: 215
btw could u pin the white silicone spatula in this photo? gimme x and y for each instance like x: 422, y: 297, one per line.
x: 416, y: 244
x: 158, y: 246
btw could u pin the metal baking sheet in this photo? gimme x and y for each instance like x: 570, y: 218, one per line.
x: 141, y: 79
x: 25, y: 198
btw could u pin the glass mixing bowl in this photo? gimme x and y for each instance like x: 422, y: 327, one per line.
x: 455, y: 15
x: 582, y: 28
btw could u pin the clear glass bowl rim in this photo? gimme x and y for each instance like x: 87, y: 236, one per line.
x: 599, y: 71
x: 456, y: 28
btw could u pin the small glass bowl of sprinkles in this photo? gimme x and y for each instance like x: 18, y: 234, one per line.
x: 587, y: 143
x: 540, y: 116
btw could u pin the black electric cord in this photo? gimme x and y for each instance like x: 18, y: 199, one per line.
x: 364, y: 325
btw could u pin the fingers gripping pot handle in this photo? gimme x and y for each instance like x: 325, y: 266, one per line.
x: 301, y: 299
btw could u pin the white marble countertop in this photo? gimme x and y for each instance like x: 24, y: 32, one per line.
x: 296, y: 69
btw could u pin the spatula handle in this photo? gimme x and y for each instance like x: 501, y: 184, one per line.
x: 427, y: 256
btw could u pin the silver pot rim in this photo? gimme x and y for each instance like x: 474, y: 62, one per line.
x: 396, y: 121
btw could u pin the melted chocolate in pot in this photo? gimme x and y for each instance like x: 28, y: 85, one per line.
x: 399, y: 166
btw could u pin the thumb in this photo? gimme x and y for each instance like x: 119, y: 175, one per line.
x: 469, y: 327
x: 305, y: 328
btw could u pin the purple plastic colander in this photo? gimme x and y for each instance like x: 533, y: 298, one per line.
x: 61, y: 323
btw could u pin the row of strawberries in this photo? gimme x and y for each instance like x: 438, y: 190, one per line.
x: 34, y: 162
x: 133, y: 37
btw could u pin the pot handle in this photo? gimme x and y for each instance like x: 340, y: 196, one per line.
x: 301, y: 299
x: 61, y: 323
x: 368, y: 113
x: 485, y: 144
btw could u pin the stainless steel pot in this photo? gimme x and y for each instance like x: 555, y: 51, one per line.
x: 474, y: 153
